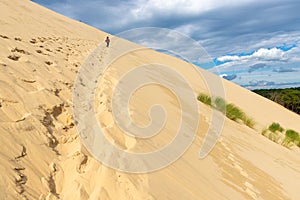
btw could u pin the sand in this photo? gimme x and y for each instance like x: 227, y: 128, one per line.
x: 43, y: 157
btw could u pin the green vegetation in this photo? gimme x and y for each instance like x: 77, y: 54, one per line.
x: 204, y: 99
x: 275, y: 133
x: 230, y: 110
x: 289, y: 98
x: 249, y: 121
x: 233, y: 112
x: 275, y: 127
x: 220, y: 104
x: 274, y: 136
x: 292, y: 135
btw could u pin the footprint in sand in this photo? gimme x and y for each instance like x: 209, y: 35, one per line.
x: 20, y: 181
x: 83, y: 161
x: 4, y: 37
x: 49, y: 50
x: 22, y: 154
x: 39, y: 51
x: 33, y: 41
x: 20, y: 177
x: 49, y: 62
x: 17, y: 50
x: 3, y: 64
x: 42, y: 39
x: 14, y: 57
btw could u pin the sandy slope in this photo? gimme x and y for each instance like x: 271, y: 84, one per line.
x: 41, y: 154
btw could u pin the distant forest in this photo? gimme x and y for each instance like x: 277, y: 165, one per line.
x: 289, y: 98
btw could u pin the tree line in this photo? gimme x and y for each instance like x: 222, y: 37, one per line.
x: 289, y: 97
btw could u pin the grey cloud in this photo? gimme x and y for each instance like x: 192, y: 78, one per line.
x: 240, y: 28
x: 256, y: 67
x: 261, y: 83
x: 229, y: 77
x: 222, y: 30
x: 283, y: 70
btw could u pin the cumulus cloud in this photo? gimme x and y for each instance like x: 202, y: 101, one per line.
x: 268, y: 54
x: 229, y: 58
x: 260, y: 54
x: 216, y: 24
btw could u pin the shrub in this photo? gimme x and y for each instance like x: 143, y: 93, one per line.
x: 204, y: 99
x: 275, y: 127
x: 292, y: 135
x: 234, y: 113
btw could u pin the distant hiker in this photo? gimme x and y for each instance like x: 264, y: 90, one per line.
x: 107, y: 41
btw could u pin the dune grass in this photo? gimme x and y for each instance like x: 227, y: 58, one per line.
x: 233, y: 112
x: 275, y: 132
x: 275, y: 127
x: 204, y: 99
x: 220, y: 104
x: 274, y: 136
x: 230, y: 110
x: 292, y: 136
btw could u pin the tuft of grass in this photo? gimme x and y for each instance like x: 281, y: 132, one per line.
x: 274, y: 133
x: 286, y: 143
x: 249, y: 122
x: 275, y: 127
x: 273, y: 136
x: 220, y: 104
x: 264, y: 132
x: 233, y: 112
x: 230, y: 110
x: 204, y: 99
x: 292, y: 135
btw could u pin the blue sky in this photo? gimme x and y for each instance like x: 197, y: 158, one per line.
x: 254, y: 43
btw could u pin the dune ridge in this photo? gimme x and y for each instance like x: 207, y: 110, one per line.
x: 42, y: 156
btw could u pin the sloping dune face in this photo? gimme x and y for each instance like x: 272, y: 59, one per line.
x: 45, y: 156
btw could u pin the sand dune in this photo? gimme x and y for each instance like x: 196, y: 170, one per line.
x: 43, y: 157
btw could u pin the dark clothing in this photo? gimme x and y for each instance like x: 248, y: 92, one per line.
x: 107, y: 41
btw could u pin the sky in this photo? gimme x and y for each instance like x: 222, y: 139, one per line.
x: 254, y: 43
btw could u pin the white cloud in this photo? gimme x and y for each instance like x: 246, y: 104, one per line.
x: 294, y: 54
x: 268, y: 54
x: 229, y: 58
x: 225, y: 28
x: 261, y: 54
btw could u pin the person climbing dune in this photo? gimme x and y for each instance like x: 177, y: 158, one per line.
x: 107, y: 41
